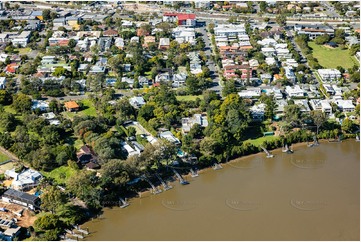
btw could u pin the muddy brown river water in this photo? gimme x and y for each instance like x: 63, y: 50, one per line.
x: 313, y: 194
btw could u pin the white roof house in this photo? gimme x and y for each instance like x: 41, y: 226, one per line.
x: 345, y: 105
x: 187, y: 123
x: 183, y: 34
x: 137, y: 102
x: 257, y: 111
x: 26, y: 179
x: 249, y: 93
x: 169, y: 136
x: 2, y: 82
x: 229, y: 30
x: 267, y: 42
x: 322, y: 105
x: 270, y: 61
x: 303, y: 104
x: 295, y: 91
x: 329, y: 74
x: 42, y: 105
x: 129, y: 149
x: 179, y: 79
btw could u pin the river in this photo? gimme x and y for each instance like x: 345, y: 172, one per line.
x: 313, y: 194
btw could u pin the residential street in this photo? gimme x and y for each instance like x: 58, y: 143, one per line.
x: 210, y: 63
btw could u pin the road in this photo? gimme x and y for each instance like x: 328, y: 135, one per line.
x: 210, y: 63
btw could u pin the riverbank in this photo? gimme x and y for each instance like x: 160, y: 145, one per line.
x: 299, y: 196
x: 146, y: 191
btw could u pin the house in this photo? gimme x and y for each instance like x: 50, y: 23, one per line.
x: 163, y: 77
x: 187, y: 123
x: 71, y: 106
x: 97, y: 69
x: 11, y: 233
x: 329, y: 89
x: 51, y: 118
x: 295, y: 91
x: 110, y: 33
x: 134, y: 39
x: 250, y: 93
x: 129, y: 149
x: 11, y: 68
x: 257, y: 111
x: 148, y: 40
x: 104, y: 43
x: 290, y: 75
x: 303, y: 104
x: 183, y: 34
x: 137, y: 102
x: 170, y: 137
x: 39, y: 104
x: 86, y: 155
x: 143, y: 81
x: 24, y: 180
x: 182, y: 19
x: 329, y: 74
x: 179, y: 79
x: 21, y: 198
x: 345, y: 105
x: 312, y: 31
x: 22, y: 39
x: 2, y: 82
x: 119, y: 42
x: 322, y: 105
x: 230, y: 30
x: 164, y: 43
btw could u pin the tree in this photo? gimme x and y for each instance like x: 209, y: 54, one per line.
x: 347, y: 125
x: 5, y: 97
x: 84, y: 186
x: 322, y: 39
x: 319, y: 118
x: 46, y: 14
x: 72, y: 43
x: 7, y: 121
x: 281, y: 20
x: 52, y: 199
x: 22, y: 103
x: 229, y: 87
x: 293, y: 114
x: 47, y: 222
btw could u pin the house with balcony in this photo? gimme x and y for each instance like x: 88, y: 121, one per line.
x: 322, y: 105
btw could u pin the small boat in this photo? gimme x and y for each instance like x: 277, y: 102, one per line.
x: 184, y: 182
x: 357, y: 138
x: 217, y: 166
x: 194, y: 173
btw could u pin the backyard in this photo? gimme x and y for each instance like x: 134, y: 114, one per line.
x: 332, y: 57
x: 60, y: 174
x: 3, y: 157
x: 189, y: 98
x: 257, y: 142
x: 87, y: 110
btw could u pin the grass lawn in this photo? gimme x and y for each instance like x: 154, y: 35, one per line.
x: 188, y: 98
x: 331, y: 58
x: 88, y: 109
x: 3, y: 157
x: 61, y: 174
x: 24, y: 51
x: 259, y: 141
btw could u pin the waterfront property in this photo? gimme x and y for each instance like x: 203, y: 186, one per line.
x: 24, y: 199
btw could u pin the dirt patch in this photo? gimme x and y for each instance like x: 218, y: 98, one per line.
x: 27, y: 218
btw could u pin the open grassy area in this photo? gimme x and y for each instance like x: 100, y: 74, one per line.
x: 259, y: 141
x: 189, y: 97
x: 60, y: 174
x: 24, y: 51
x: 87, y: 110
x: 331, y: 58
x: 3, y: 157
